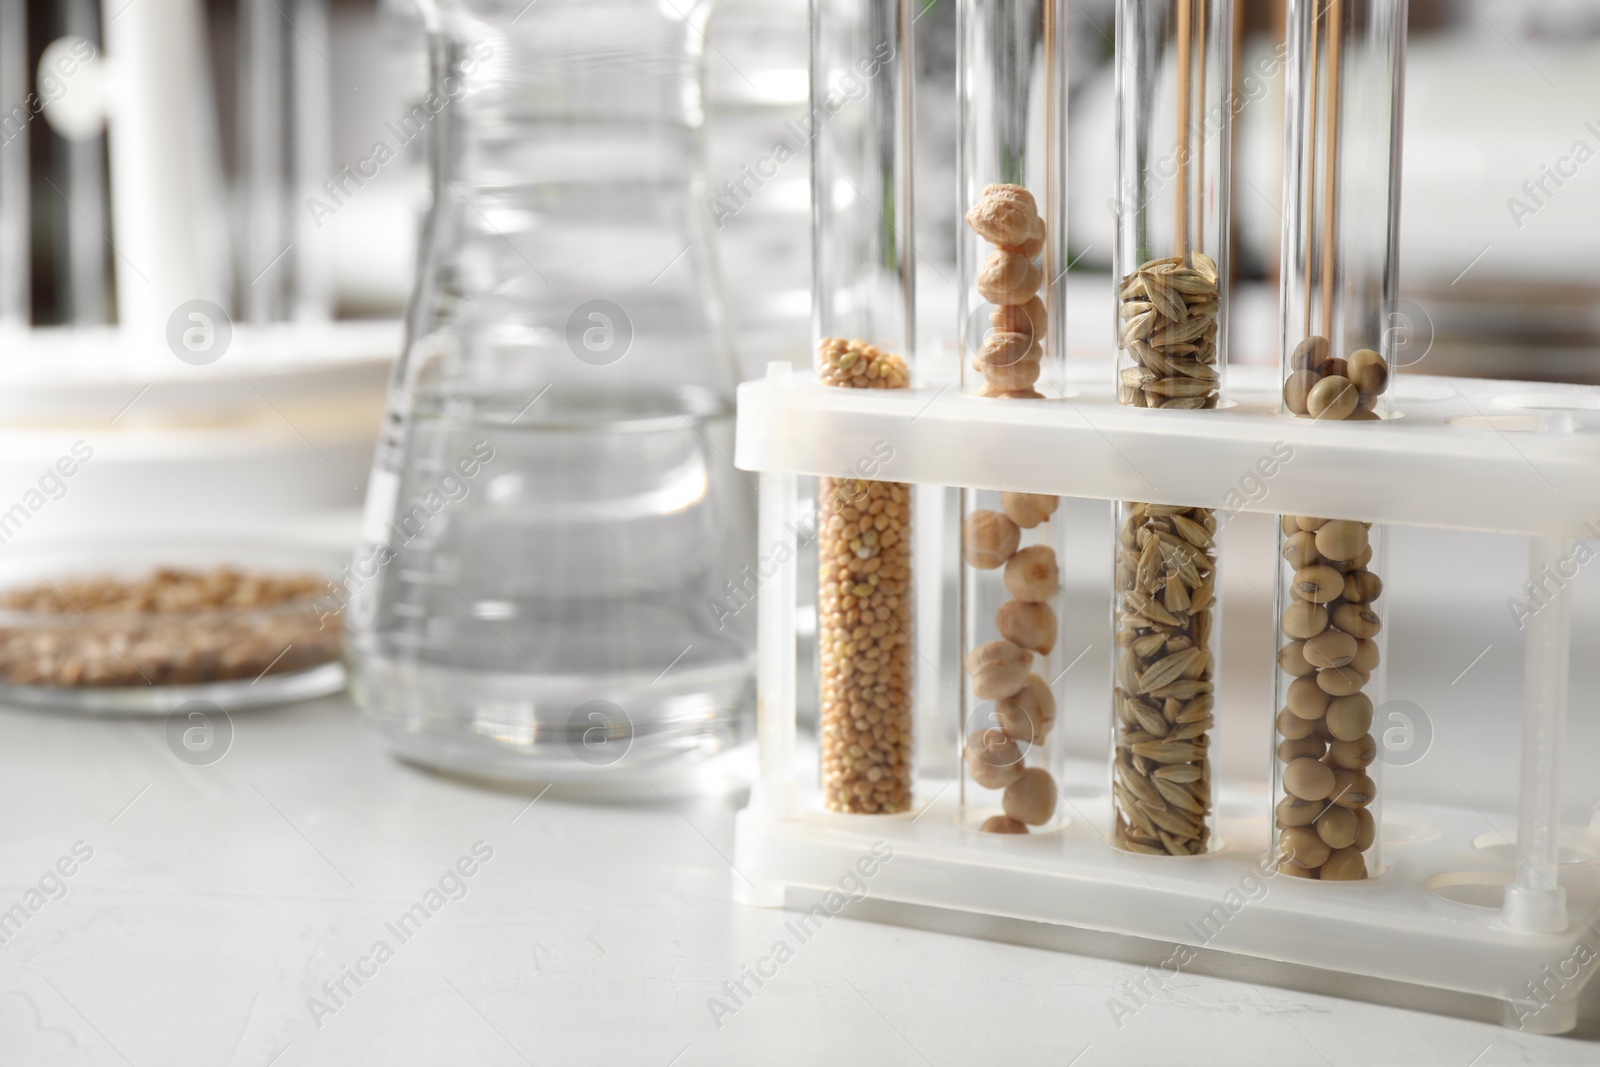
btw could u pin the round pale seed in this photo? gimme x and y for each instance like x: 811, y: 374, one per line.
x: 1341, y: 681
x: 1300, y: 549
x: 1304, y: 620
x: 1309, y: 522
x: 1367, y: 656
x: 1293, y: 727
x: 1341, y: 539
x: 993, y: 760
x: 1305, y: 748
x: 989, y: 539
x: 1354, y: 755
x: 1297, y: 391
x: 1352, y: 789
x: 1301, y: 846
x: 1292, y: 660
x: 1292, y: 811
x: 1349, y: 718
x: 1003, y: 824
x: 1031, y: 798
x: 1028, y: 714
x: 1310, y: 780
x: 1337, y: 827
x: 1366, y: 829
x: 1285, y: 867
x: 998, y: 669
x: 1333, y: 398
x: 1032, y: 574
x: 1357, y: 620
x: 1345, y: 865
x: 1330, y: 648
x: 1362, y: 587
x: 1006, y: 277
x: 1319, y: 583
x: 1028, y: 510
x: 1369, y: 371
x: 1031, y: 625
x: 1306, y: 699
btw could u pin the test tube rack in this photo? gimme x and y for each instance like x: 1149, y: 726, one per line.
x: 1446, y: 914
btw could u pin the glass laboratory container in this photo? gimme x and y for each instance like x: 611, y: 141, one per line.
x: 1173, y: 79
x: 556, y: 570
x: 1011, y: 83
x: 863, y: 308
x: 1340, y: 242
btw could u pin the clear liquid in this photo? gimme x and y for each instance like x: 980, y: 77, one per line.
x: 553, y: 618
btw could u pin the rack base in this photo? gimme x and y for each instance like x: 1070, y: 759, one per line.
x: 1432, y: 918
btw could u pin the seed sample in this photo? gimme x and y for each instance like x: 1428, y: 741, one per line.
x: 1012, y: 578
x: 1319, y: 385
x: 1164, y: 690
x: 1327, y: 658
x: 1168, y: 311
x: 174, y: 626
x: 864, y: 613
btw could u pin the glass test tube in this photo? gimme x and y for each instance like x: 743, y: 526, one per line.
x: 1174, y: 72
x: 1012, y: 89
x: 1340, y: 238
x: 862, y: 320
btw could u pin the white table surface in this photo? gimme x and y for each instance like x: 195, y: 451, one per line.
x: 218, y: 899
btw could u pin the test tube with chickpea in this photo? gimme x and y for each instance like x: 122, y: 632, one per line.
x: 1174, y: 61
x: 863, y: 319
x: 1009, y: 252
x: 1341, y: 204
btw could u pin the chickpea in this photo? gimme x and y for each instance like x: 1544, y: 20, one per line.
x: 998, y: 669
x: 1032, y: 574
x: 1028, y: 715
x: 1031, y: 625
x: 1031, y: 798
x: 990, y: 539
x: 1028, y: 510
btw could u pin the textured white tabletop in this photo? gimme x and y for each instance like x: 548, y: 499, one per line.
x: 223, y: 906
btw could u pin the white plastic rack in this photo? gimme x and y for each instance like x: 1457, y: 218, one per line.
x: 1514, y: 920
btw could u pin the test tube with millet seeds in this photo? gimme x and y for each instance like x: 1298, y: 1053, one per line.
x: 862, y: 317
x: 1012, y: 74
x: 1173, y: 105
x: 1340, y: 239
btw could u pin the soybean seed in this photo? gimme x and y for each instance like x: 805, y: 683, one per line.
x: 1310, y: 780
x: 1344, y: 865
x: 1292, y: 811
x: 1301, y: 846
x: 1357, y: 620
x: 1330, y: 648
x: 1349, y: 718
x: 1366, y: 829
x: 1306, y: 699
x: 1311, y: 353
x: 1293, y: 727
x: 1341, y: 681
x: 1352, y: 789
x: 1354, y: 755
x: 1292, y: 660
x: 1362, y: 587
x: 1300, y: 549
x: 1304, y: 620
x: 1320, y: 584
x: 1337, y: 827
x: 1369, y: 371
x: 1341, y: 539
x: 1305, y: 748
x: 1003, y: 824
x: 1297, y: 391
x: 1367, y: 656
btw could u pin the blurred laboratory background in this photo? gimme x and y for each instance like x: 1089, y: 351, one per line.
x: 267, y: 156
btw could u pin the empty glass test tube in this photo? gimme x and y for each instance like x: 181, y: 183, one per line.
x: 1340, y: 238
x: 862, y: 320
x: 1012, y: 89
x: 1173, y: 74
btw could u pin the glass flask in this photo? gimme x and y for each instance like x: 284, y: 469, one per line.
x: 1339, y: 348
x: 1012, y: 78
x: 1173, y: 77
x: 556, y: 575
